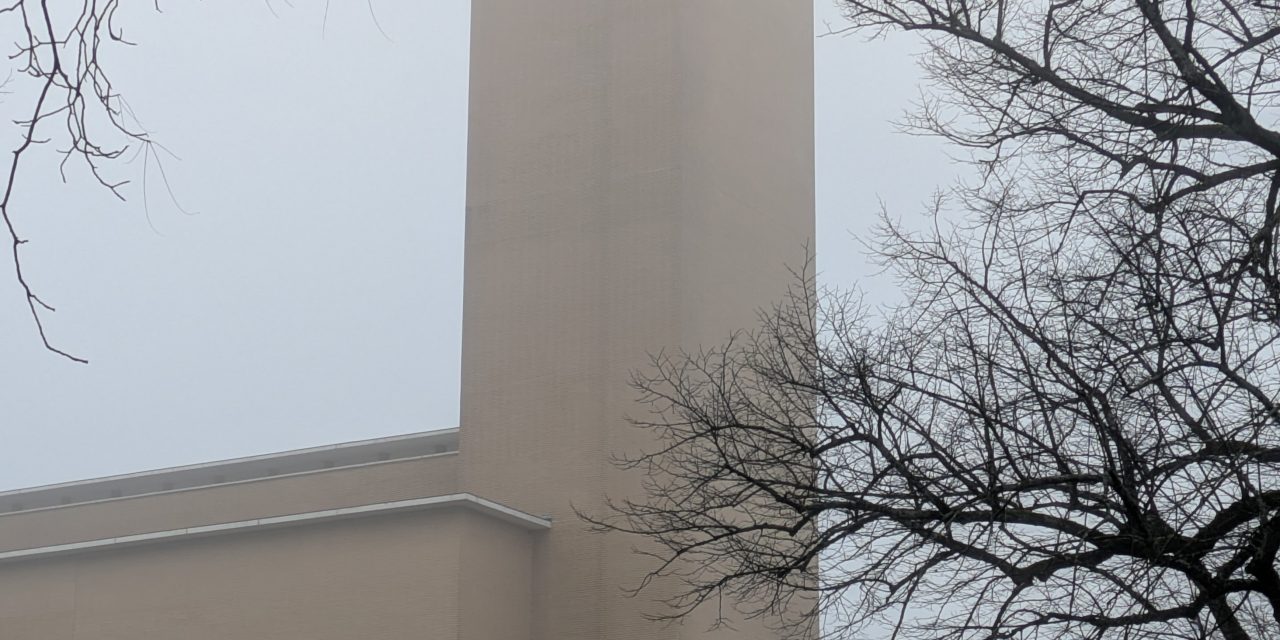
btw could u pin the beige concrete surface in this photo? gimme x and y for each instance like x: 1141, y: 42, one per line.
x: 387, y: 578
x: 329, y: 489
x: 495, y: 583
x: 640, y: 177
x: 225, y: 472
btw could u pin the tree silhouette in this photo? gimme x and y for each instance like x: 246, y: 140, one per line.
x: 71, y: 105
x: 1069, y: 428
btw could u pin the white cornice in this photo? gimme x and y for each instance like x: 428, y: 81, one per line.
x: 465, y: 500
x: 257, y: 466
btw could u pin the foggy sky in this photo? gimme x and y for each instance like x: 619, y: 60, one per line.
x: 314, y: 294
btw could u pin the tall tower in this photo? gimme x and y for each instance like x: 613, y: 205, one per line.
x: 640, y: 177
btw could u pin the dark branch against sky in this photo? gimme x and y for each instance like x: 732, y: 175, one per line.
x: 314, y: 293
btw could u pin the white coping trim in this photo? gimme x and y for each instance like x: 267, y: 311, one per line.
x: 229, y: 483
x: 488, y: 507
x: 218, y: 463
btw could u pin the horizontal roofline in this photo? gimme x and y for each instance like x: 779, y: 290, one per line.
x: 465, y: 500
x: 204, y: 466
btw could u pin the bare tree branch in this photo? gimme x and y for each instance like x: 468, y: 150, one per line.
x: 1071, y: 426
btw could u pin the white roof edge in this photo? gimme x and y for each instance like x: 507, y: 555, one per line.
x: 218, y: 463
x: 503, y: 512
x: 471, y: 501
x: 231, y: 483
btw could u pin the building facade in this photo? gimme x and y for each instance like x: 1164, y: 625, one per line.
x: 640, y: 177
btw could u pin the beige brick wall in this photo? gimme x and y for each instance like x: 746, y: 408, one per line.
x: 495, y: 586
x: 640, y: 178
x: 443, y: 574
x: 316, y: 491
x: 381, y: 578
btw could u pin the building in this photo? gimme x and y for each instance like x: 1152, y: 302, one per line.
x: 640, y: 177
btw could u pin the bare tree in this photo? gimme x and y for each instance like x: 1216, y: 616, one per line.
x: 1070, y: 427
x: 71, y: 105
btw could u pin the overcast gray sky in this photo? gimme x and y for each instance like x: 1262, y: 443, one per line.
x: 315, y: 295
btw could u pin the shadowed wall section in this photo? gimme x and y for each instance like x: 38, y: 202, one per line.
x: 640, y: 177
